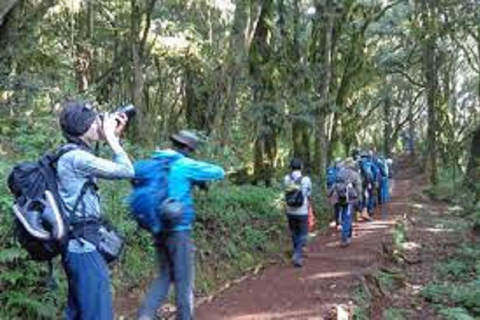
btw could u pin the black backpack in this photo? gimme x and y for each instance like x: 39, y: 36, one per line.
x: 294, y: 195
x: 34, y: 187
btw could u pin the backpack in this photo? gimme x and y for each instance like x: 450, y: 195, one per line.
x: 343, y: 187
x: 149, y: 195
x: 331, y: 176
x: 383, y: 167
x: 293, y: 195
x: 366, y: 171
x: 37, y: 201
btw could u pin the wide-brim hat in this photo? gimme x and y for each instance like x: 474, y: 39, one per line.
x: 186, y: 138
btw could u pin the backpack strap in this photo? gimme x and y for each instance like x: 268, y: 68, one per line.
x: 78, y: 223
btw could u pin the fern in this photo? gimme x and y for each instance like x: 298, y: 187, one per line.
x: 28, y: 306
x: 456, y: 314
x: 9, y: 255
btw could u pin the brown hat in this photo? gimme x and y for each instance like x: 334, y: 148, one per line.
x: 186, y: 138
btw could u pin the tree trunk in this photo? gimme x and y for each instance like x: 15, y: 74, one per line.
x: 300, y: 128
x: 265, y: 150
x: 301, y: 145
x: 387, y: 125
x: 430, y: 74
x: 233, y: 72
x: 324, y: 24
x: 411, y: 132
x: 5, y: 7
x: 478, y: 53
x: 143, y: 122
x: 472, y: 174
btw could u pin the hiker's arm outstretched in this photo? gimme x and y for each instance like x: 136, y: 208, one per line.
x: 203, y: 171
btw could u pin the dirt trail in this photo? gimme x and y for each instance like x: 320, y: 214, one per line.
x: 328, y: 278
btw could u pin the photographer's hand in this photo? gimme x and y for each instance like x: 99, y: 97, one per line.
x: 121, y: 119
x: 113, y: 124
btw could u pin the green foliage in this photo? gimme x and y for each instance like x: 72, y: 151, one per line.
x: 399, y: 233
x: 456, y: 314
x: 393, y: 314
x: 223, y: 247
x: 450, y: 187
x: 456, y: 291
x: 360, y: 311
x: 466, y: 295
x: 23, y: 290
x: 456, y: 269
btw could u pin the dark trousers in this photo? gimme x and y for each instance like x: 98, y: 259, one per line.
x: 176, y: 266
x: 89, y: 292
x: 346, y: 213
x: 336, y: 212
x: 298, y: 225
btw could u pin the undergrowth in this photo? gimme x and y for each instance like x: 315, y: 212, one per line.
x: 456, y: 289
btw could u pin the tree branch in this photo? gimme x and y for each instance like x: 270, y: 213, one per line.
x: 5, y: 9
x: 151, y: 5
x: 408, y: 77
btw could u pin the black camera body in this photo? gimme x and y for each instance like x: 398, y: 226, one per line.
x: 129, y: 110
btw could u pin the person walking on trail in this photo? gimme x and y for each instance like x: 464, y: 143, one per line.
x: 174, y: 246
x: 368, y: 183
x: 331, y: 177
x: 298, y: 189
x: 347, y: 190
x: 89, y: 292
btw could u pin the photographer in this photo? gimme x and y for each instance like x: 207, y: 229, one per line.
x: 174, y: 245
x: 89, y: 292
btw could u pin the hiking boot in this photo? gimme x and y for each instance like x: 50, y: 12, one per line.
x: 297, y: 261
x: 345, y: 244
x: 366, y: 216
x: 305, y: 252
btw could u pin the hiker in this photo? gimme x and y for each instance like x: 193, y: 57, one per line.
x: 89, y: 292
x: 377, y: 178
x: 347, y: 190
x: 367, y: 198
x: 174, y: 246
x: 298, y: 189
x: 383, y: 192
x: 331, y: 177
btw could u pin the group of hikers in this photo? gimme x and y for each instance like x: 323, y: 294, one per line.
x: 355, y: 187
x: 58, y: 209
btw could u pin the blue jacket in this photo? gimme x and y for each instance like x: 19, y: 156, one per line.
x: 184, y: 172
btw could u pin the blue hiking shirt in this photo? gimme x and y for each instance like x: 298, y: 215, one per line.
x: 184, y: 172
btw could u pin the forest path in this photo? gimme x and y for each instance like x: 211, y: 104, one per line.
x: 329, y: 276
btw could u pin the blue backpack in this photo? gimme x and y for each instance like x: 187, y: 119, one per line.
x: 382, y: 166
x: 366, y: 170
x: 331, y: 176
x: 150, y: 192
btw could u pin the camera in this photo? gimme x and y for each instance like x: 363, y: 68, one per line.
x: 129, y: 110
